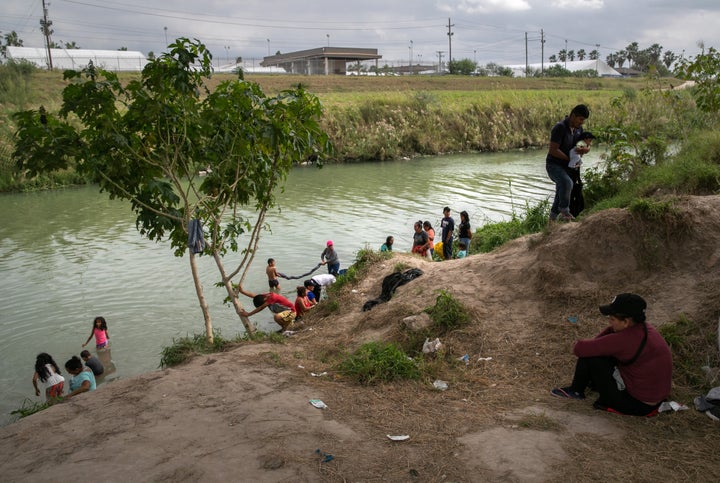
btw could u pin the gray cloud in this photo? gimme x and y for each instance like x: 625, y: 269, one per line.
x: 483, y: 30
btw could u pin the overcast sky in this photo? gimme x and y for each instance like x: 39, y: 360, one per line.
x: 483, y: 30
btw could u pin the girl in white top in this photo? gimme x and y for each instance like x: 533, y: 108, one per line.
x: 48, y: 372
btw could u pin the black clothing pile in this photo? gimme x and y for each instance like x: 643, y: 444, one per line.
x: 390, y: 284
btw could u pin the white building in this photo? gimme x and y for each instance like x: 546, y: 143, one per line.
x: 62, y: 59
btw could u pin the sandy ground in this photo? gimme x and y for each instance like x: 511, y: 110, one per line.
x: 245, y: 415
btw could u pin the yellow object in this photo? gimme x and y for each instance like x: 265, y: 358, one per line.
x: 439, y: 250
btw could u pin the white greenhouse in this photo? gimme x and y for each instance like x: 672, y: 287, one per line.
x: 599, y: 66
x: 62, y: 59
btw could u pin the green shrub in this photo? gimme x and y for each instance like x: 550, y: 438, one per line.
x: 376, y: 362
x: 690, y: 343
x: 448, y: 313
x: 31, y: 407
x: 492, y: 235
x: 185, y: 348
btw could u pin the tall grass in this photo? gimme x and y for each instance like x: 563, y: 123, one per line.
x: 377, y: 362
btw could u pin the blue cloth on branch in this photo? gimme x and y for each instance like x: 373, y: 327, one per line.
x: 196, y: 240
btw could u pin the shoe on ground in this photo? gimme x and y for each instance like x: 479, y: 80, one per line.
x: 567, y: 393
x: 565, y: 217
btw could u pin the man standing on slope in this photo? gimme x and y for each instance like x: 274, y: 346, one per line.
x: 563, y: 137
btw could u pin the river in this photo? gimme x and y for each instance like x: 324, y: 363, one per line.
x: 69, y: 255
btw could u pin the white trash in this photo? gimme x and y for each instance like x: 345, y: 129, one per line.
x: 431, y: 346
x: 441, y: 385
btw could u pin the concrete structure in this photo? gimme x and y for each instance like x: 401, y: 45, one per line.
x: 599, y: 66
x: 320, y: 61
x: 62, y: 59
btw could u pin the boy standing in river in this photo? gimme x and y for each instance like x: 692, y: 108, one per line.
x: 272, y: 275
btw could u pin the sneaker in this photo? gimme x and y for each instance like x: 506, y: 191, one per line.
x: 567, y: 393
x: 565, y: 217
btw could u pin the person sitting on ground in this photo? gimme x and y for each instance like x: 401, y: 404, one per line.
x: 48, y: 372
x: 309, y: 287
x: 629, y: 363
x: 272, y: 275
x: 387, y: 246
x: 462, y: 250
x: 302, y: 304
x: 82, y: 379
x: 283, y: 310
x: 92, y: 362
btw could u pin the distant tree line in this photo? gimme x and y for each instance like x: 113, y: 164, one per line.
x: 642, y: 60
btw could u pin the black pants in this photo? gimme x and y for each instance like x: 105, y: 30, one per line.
x: 597, y: 372
x: 317, y: 290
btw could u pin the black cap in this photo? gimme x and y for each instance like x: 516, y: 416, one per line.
x: 627, y: 304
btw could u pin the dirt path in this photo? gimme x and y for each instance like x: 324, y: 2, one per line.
x: 244, y: 415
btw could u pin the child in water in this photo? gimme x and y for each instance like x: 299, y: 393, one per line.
x: 100, y: 331
x: 82, y: 379
x: 49, y: 374
x: 272, y: 275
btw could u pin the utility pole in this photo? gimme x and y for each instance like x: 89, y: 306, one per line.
x: 526, y: 56
x: 566, y: 54
x: 597, y: 58
x: 45, y: 24
x: 439, y: 53
x: 410, y: 69
x: 450, y: 34
x: 542, y: 52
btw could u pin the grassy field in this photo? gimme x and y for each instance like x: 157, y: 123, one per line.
x: 379, y: 118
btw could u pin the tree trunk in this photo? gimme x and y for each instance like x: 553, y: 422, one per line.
x: 201, y: 298
x: 233, y: 295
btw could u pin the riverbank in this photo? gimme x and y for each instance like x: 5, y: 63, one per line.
x: 245, y: 414
x: 397, y: 117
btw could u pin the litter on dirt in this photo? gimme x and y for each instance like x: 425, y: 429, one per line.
x: 318, y: 403
x: 402, y: 437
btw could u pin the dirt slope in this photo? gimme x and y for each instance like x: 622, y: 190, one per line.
x: 244, y: 415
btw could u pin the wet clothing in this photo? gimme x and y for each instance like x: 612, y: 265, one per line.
x: 95, y: 365
x: 101, y: 339
x: 390, y: 284
x: 77, y: 381
x: 53, y: 384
